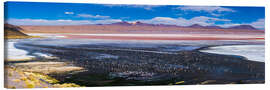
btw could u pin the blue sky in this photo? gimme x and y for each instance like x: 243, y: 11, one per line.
x: 32, y: 13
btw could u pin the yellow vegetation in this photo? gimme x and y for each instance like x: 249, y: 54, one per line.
x: 12, y: 87
x: 33, y: 80
x: 9, y: 74
x: 208, y: 81
x: 47, y: 67
x: 65, y: 85
x: 34, y: 74
x: 180, y: 82
x: 29, y: 84
x: 24, y: 59
x: 20, y: 37
x: 23, y: 78
x: 41, y: 76
x: 16, y: 80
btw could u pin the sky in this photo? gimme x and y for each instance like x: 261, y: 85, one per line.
x: 34, y: 13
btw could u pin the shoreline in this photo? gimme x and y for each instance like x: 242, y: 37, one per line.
x: 25, y: 70
x: 155, y: 37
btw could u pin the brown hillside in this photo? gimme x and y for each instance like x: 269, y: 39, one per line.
x: 11, y: 31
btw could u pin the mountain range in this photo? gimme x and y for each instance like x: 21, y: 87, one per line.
x: 139, y: 28
x: 124, y: 23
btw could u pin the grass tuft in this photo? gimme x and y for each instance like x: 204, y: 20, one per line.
x: 64, y: 85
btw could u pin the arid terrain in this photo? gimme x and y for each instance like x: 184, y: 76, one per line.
x: 129, y: 28
x: 143, y: 31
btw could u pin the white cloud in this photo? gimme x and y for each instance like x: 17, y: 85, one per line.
x: 209, y: 9
x: 69, y: 12
x: 215, y: 14
x: 229, y: 25
x: 93, y: 16
x: 107, y: 21
x: 59, y: 22
x: 146, y: 7
x: 212, y: 10
x: 260, y: 23
x: 202, y: 20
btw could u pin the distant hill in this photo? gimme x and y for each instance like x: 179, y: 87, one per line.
x: 249, y: 27
x: 12, y: 31
x: 136, y: 24
x: 140, y: 28
x: 246, y: 27
x: 204, y: 27
x: 124, y: 23
x: 195, y: 26
x: 214, y: 27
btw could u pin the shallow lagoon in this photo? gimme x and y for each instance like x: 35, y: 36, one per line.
x: 131, y: 62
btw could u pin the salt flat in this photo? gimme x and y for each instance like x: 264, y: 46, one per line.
x: 14, y: 54
x: 251, y: 52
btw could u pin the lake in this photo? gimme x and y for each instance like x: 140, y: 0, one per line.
x: 145, y: 62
